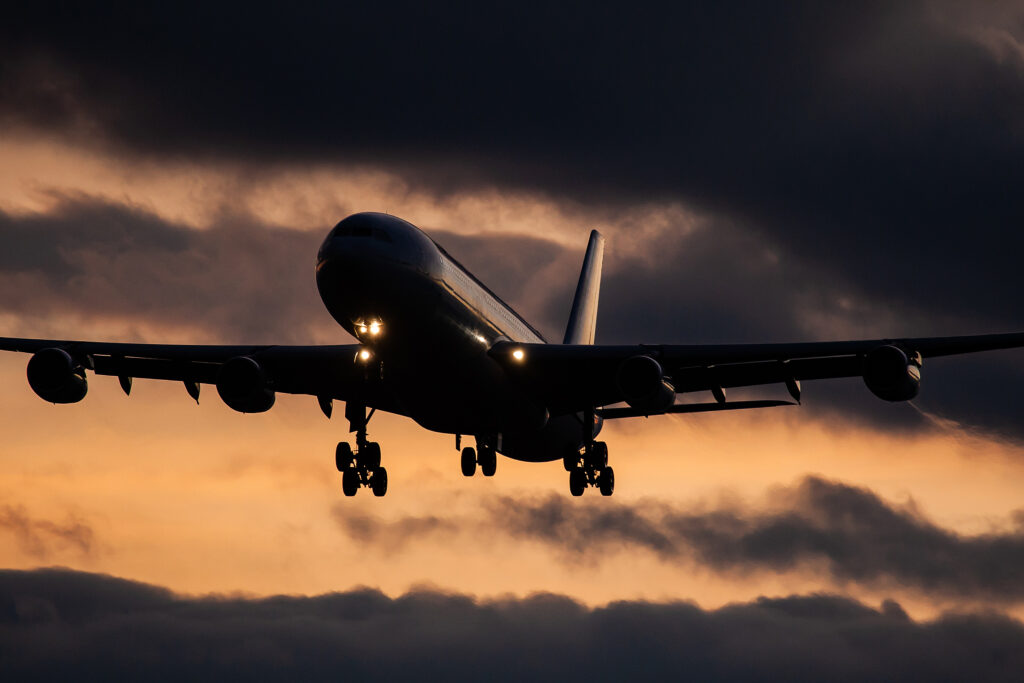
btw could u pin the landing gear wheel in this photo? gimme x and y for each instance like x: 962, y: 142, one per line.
x: 570, y: 460
x: 379, y: 482
x: 577, y: 482
x: 343, y: 456
x: 599, y: 455
x: 350, y: 482
x: 369, y: 455
x: 606, y: 481
x: 468, y: 461
x: 488, y: 461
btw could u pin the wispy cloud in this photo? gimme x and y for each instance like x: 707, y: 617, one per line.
x: 41, y: 539
x: 846, y: 532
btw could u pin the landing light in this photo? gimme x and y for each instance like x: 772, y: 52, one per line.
x: 364, y: 355
x: 518, y: 355
x: 362, y: 329
x: 374, y: 328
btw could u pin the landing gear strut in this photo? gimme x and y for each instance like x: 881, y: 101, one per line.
x: 589, y: 468
x: 361, y: 468
x: 484, y: 455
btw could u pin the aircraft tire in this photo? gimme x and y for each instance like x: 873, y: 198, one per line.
x: 577, y: 482
x: 369, y: 455
x: 468, y: 461
x: 606, y: 482
x: 488, y: 461
x: 570, y: 459
x: 343, y: 456
x: 379, y: 482
x: 349, y: 482
x: 599, y: 455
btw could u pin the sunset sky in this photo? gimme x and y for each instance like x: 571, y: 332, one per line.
x: 796, y: 172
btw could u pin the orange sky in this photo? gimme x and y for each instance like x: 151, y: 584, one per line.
x: 203, y: 499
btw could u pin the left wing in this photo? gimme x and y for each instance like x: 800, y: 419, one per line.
x: 327, y: 372
x: 571, y: 378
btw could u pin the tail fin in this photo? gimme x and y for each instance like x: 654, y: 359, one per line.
x: 583, y: 319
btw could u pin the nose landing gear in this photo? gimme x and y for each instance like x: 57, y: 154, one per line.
x: 361, y: 468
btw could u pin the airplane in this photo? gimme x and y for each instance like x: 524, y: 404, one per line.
x: 436, y: 345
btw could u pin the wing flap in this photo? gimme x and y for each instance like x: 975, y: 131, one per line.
x: 679, y: 408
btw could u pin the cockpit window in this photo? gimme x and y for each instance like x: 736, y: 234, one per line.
x: 346, y: 229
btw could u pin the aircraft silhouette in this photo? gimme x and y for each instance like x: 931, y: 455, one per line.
x: 436, y: 345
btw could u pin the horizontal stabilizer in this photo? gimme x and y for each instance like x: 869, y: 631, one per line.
x: 614, y: 413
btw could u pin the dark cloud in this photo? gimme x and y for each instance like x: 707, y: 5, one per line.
x: 847, y: 532
x: 238, y: 282
x: 41, y: 538
x: 58, y: 623
x: 878, y: 139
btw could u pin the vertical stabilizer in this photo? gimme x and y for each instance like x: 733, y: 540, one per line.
x: 583, y: 319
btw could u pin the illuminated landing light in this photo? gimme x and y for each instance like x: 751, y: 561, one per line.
x: 374, y: 328
x: 362, y: 329
x: 364, y: 355
x: 518, y: 355
x: 480, y: 338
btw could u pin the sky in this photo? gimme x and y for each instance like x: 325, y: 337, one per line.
x: 762, y: 173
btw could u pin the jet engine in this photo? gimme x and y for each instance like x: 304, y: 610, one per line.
x: 643, y: 385
x: 243, y: 386
x: 891, y: 375
x: 55, y: 376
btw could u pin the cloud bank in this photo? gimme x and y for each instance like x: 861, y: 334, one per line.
x: 57, y: 623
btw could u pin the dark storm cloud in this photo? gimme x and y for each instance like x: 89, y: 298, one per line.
x: 879, y: 139
x: 41, y: 538
x: 240, y: 281
x: 57, y: 623
x: 818, y: 525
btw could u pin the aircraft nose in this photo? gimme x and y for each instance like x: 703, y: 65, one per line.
x: 375, y: 239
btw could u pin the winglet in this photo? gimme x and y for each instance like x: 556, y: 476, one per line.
x: 583, y: 319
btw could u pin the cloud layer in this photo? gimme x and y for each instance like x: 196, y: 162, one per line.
x: 881, y: 140
x: 56, y: 623
x: 844, y: 532
x: 242, y: 281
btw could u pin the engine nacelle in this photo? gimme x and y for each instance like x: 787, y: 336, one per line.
x: 243, y: 386
x: 55, y: 376
x: 643, y: 385
x: 891, y: 375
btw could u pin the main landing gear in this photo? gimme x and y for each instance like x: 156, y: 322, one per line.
x: 591, y: 467
x: 361, y: 468
x: 484, y: 455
